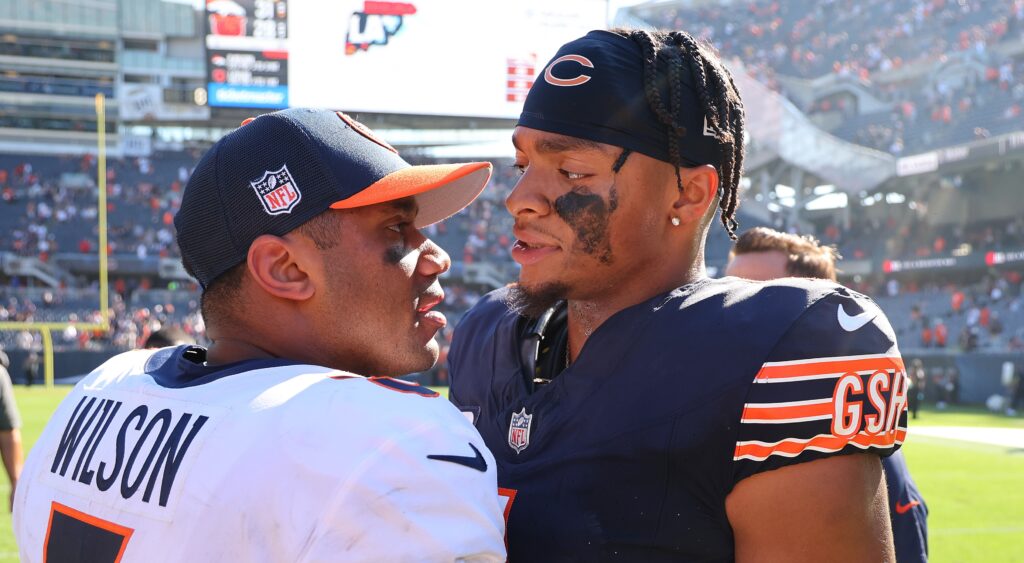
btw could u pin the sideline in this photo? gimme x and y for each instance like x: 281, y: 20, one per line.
x: 1003, y: 437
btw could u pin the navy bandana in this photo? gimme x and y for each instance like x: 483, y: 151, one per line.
x: 594, y: 89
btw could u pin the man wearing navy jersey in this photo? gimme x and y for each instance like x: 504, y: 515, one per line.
x: 638, y: 410
x: 765, y: 254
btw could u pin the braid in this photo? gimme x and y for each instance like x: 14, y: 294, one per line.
x: 720, y: 104
x: 729, y: 212
x: 697, y: 69
x: 646, y: 42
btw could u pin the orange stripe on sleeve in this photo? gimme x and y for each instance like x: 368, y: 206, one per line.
x: 781, y: 371
x: 759, y: 451
x: 754, y: 413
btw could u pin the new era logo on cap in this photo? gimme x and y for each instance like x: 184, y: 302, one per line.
x: 277, y: 191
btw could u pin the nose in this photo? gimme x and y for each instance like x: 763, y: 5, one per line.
x: 433, y: 261
x: 527, y: 198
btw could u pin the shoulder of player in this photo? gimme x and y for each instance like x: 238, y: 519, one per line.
x: 346, y: 417
x: 132, y: 362
x: 375, y: 400
x: 740, y: 306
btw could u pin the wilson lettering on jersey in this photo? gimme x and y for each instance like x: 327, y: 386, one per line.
x: 140, y: 446
x: 633, y: 449
x: 157, y: 457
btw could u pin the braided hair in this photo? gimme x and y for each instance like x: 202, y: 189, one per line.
x: 720, y: 103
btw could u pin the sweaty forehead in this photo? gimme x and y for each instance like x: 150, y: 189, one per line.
x: 526, y: 139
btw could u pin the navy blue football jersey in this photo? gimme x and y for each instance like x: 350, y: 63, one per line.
x: 630, y: 452
x: 907, y: 510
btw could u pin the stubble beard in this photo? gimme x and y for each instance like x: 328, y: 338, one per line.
x: 531, y: 302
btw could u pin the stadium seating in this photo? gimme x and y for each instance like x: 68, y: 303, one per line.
x: 903, y: 62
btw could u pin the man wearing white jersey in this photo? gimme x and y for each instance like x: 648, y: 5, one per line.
x: 283, y: 441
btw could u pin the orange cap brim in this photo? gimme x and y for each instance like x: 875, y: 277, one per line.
x: 441, y: 190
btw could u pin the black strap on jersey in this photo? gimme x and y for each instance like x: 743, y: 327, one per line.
x: 543, y: 342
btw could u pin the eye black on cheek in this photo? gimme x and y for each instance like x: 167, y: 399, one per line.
x: 394, y: 254
x: 588, y: 215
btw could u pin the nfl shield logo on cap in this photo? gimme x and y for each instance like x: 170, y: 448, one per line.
x: 519, y: 430
x: 277, y: 191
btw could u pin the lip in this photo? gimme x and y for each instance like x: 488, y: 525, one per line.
x: 531, y: 247
x: 433, y: 321
x: 532, y: 238
x: 529, y: 255
x: 428, y: 301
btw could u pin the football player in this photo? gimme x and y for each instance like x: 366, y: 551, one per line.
x: 303, y: 229
x: 765, y: 254
x: 638, y: 410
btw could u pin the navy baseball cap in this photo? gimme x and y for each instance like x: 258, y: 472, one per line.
x: 593, y: 89
x: 282, y: 169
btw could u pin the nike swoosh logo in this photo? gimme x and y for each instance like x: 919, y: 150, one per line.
x: 852, y: 323
x: 903, y: 508
x: 476, y: 461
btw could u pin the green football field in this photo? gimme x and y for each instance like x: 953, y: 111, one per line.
x: 975, y: 493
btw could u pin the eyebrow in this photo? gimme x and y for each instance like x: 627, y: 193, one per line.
x: 405, y: 205
x: 564, y: 143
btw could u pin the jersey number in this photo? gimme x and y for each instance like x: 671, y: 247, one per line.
x: 74, y: 536
x: 509, y: 496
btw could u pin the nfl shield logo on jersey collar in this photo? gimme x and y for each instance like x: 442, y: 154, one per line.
x: 277, y: 190
x: 519, y: 430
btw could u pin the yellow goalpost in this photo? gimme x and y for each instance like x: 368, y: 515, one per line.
x: 46, y: 328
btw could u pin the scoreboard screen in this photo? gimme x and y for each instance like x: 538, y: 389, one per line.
x: 247, y: 53
x: 460, y: 58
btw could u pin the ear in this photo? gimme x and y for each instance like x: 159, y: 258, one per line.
x: 276, y: 266
x: 700, y: 190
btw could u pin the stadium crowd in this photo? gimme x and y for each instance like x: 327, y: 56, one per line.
x: 51, y: 209
x: 902, y: 52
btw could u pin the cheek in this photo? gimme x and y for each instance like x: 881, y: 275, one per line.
x: 648, y: 222
x: 589, y: 215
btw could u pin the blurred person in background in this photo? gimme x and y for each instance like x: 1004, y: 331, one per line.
x: 918, y: 384
x: 10, y: 428
x: 764, y: 254
x: 31, y: 367
x: 171, y: 335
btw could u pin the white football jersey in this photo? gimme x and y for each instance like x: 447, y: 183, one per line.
x: 155, y: 457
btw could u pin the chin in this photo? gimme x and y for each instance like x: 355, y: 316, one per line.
x: 531, y: 300
x: 532, y: 277
x: 417, y: 360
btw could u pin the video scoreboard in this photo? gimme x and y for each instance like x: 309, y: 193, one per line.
x: 463, y: 58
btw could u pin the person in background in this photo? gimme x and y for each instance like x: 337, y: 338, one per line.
x: 765, y: 254
x: 10, y: 428
x: 918, y: 384
x: 31, y: 368
x: 171, y: 335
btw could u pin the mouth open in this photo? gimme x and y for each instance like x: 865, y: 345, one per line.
x: 429, y: 317
x: 526, y: 253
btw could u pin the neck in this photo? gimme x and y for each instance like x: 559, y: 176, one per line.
x: 228, y: 350
x: 586, y: 315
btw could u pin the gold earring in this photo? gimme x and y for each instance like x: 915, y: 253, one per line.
x: 675, y: 221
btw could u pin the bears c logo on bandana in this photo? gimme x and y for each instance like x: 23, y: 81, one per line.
x: 575, y: 81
